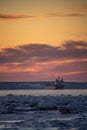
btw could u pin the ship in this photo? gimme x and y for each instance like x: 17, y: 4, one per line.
x: 57, y: 84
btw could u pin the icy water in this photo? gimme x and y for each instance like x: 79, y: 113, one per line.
x: 43, y: 109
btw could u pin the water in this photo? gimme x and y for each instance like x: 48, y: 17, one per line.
x: 38, y: 85
x: 19, y: 108
x: 38, y: 88
x: 20, y: 112
x: 43, y: 92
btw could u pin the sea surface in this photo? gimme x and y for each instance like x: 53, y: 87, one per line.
x: 29, y: 106
x: 39, y: 89
x: 39, y: 85
x: 36, y: 92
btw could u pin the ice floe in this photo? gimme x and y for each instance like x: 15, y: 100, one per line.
x: 60, y: 112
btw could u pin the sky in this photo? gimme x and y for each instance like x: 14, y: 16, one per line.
x: 43, y: 39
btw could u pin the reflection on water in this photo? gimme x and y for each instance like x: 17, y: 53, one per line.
x: 44, y: 92
x: 11, y: 121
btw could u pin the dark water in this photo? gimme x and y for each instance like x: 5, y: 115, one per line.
x: 16, y: 99
x: 38, y: 85
x: 20, y: 112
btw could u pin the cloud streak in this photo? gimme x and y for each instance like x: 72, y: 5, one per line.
x: 15, y: 16
x: 23, y: 16
x: 56, y: 14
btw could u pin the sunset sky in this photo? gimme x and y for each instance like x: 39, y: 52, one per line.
x: 43, y: 39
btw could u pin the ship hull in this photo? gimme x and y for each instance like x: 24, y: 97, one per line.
x: 49, y: 87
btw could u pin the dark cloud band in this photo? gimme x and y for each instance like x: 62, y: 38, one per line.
x: 15, y: 16
x: 43, y: 52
